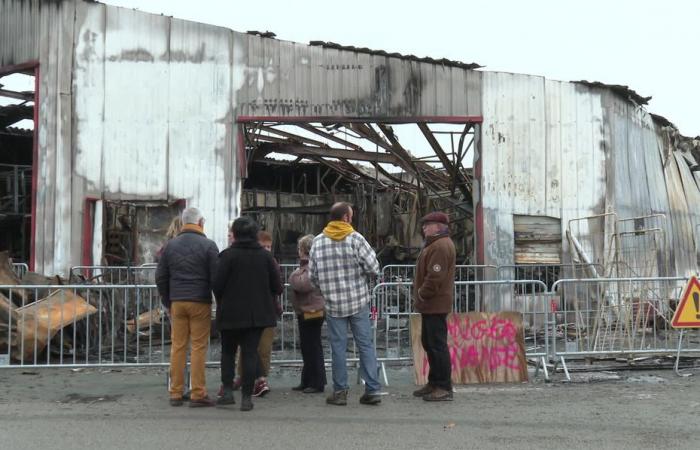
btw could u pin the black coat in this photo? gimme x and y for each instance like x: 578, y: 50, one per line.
x: 246, y: 284
x: 186, y: 268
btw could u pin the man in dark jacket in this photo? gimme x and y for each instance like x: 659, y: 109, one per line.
x: 433, y: 289
x: 184, y: 277
x: 246, y: 284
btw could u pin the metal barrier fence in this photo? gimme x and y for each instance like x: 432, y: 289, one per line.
x: 616, y: 317
x: 81, y: 325
x: 393, y: 303
x: 98, y: 325
x: 20, y: 269
x: 143, y: 274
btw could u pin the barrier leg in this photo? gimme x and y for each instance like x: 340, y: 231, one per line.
x: 383, y: 369
x: 678, y: 357
x: 566, y: 369
x: 542, y: 361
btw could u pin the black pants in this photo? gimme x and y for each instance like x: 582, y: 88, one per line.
x: 247, y: 340
x: 434, y: 340
x: 313, y: 374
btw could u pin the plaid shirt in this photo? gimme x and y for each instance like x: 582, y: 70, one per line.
x: 341, y: 269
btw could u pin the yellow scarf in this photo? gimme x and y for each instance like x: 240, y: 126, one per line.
x: 192, y: 227
x: 338, y: 230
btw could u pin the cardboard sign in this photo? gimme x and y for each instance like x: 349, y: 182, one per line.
x: 687, y: 313
x: 484, y: 348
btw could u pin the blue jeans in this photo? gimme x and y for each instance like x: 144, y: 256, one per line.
x: 362, y: 332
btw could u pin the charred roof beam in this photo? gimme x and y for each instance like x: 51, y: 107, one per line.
x: 305, y: 150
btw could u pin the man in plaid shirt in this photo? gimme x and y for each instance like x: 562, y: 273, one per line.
x: 341, y: 264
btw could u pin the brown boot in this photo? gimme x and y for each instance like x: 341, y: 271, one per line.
x: 438, y: 395
x: 425, y: 390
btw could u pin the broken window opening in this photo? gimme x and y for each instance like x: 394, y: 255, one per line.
x: 17, y: 100
x: 135, y: 231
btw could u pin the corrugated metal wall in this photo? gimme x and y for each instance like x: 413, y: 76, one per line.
x: 279, y: 78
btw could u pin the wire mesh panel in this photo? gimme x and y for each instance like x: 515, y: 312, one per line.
x: 96, y: 274
x: 617, y: 316
x: 642, y: 246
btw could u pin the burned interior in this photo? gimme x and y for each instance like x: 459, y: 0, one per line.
x: 16, y: 159
x: 297, y: 169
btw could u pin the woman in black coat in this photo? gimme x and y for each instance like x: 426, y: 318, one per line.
x: 246, y: 284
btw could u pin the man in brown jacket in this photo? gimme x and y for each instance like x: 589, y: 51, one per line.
x: 433, y: 289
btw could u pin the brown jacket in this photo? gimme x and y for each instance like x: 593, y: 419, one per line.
x: 434, y: 282
x: 307, y: 297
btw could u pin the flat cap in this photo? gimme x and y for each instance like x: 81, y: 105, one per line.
x: 436, y: 217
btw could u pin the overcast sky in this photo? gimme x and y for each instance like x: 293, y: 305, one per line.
x: 651, y: 46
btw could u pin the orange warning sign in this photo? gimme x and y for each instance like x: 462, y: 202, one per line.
x: 688, y: 311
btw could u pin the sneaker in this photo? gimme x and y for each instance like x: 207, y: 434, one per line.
x: 226, y: 397
x: 301, y: 387
x: 438, y: 395
x: 338, y: 398
x: 176, y: 402
x: 425, y: 390
x: 237, y: 383
x: 370, y: 399
x: 202, y: 402
x: 261, y: 388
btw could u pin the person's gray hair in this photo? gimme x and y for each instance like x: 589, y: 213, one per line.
x: 304, y: 243
x: 191, y: 215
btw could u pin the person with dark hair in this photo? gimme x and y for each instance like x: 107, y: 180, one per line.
x: 246, y: 284
x: 309, y: 307
x: 262, y: 371
x: 433, y: 288
x: 341, y: 263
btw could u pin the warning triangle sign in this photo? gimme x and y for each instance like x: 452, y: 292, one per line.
x: 688, y: 311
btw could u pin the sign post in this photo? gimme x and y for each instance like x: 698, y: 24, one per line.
x: 687, y: 315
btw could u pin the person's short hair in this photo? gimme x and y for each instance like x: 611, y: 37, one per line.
x: 304, y: 243
x: 245, y: 228
x: 339, y: 209
x: 191, y: 215
x: 264, y: 236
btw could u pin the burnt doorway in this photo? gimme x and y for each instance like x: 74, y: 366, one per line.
x: 17, y: 160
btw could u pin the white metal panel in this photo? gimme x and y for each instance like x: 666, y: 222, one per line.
x: 199, y: 125
x: 428, y: 89
x: 89, y: 96
x: 136, y: 108
x: 271, y: 76
x: 318, y: 82
x: 302, y: 80
x: 553, y: 184
x: 287, y: 79
x: 458, y: 92
x: 334, y: 81
x: 443, y: 90
x: 350, y: 74
x: 239, y: 73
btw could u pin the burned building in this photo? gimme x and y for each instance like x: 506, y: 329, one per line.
x: 137, y: 115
